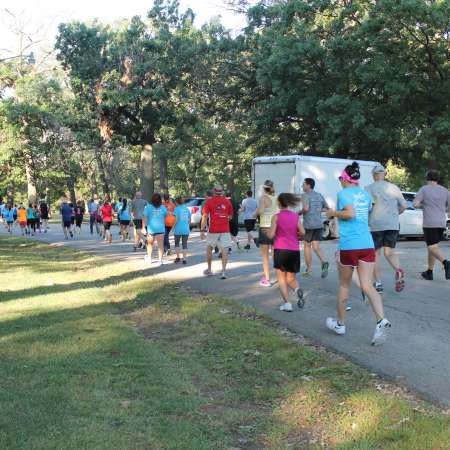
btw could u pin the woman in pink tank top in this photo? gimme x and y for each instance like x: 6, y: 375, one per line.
x: 285, y: 229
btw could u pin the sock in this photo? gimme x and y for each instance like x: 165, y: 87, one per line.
x: 445, y: 262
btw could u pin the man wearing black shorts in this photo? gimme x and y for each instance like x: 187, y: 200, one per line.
x: 434, y: 199
x: 137, y: 207
x: 387, y: 204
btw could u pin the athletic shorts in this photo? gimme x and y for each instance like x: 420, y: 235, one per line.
x: 385, y: 238
x: 313, y: 234
x: 107, y: 225
x: 30, y: 222
x: 78, y: 221
x: 234, y: 228
x: 44, y: 217
x: 155, y: 234
x: 138, y: 223
x: 22, y: 224
x: 433, y: 235
x: 221, y: 240
x: 125, y: 222
x: 353, y: 257
x: 67, y: 223
x: 184, y: 240
x: 262, y: 237
x: 286, y: 260
x: 249, y: 224
x: 9, y: 222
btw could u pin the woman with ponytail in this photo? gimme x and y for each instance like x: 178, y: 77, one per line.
x: 356, y: 250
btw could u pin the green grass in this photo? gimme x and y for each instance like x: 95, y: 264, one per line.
x: 100, y: 355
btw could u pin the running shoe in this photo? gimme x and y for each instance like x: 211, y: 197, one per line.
x: 247, y: 247
x: 325, y: 267
x: 427, y: 275
x: 223, y: 276
x: 207, y: 273
x: 265, y: 282
x: 184, y: 261
x: 71, y: 234
x: 447, y: 269
x: 286, y: 307
x: 399, y: 280
x: 333, y: 325
x: 381, y: 332
x: 148, y: 259
x: 307, y: 273
x: 378, y: 287
x: 177, y: 260
x: 348, y: 306
x: 300, y: 298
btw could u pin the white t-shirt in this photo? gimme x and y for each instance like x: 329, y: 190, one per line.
x: 249, y: 205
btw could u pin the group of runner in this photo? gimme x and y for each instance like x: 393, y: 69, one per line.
x: 30, y: 219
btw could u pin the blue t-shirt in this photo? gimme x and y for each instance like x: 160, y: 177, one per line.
x: 354, y: 234
x: 155, y: 218
x: 124, y: 213
x: 8, y: 214
x: 66, y: 212
x: 30, y: 213
x: 183, y: 216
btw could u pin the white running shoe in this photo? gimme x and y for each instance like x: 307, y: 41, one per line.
x: 148, y: 259
x: 332, y: 324
x: 381, y: 332
x: 287, y: 307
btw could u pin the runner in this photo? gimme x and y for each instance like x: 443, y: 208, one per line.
x: 44, y: 215
x: 356, y: 250
x: 434, y: 199
x: 107, y: 212
x: 154, y: 214
x: 181, y: 228
x: 99, y: 220
x: 267, y: 207
x: 137, y: 211
x: 66, y: 215
x: 8, y: 215
x: 37, y: 217
x: 285, y: 229
x: 22, y: 216
x: 92, y: 210
x: 219, y: 211
x: 31, y: 224
x: 72, y: 219
x: 387, y: 204
x: 248, y: 208
x: 117, y: 206
x: 234, y: 221
x: 168, y: 222
x: 125, y: 219
x: 313, y: 204
x: 79, y: 214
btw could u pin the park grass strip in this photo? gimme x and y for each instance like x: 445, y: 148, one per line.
x: 101, y: 355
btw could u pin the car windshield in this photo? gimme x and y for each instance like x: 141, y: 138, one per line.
x: 193, y: 201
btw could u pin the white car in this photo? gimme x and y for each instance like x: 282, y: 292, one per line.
x: 411, y: 219
x: 195, y: 207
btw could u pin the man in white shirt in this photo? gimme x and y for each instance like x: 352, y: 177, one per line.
x: 249, y: 207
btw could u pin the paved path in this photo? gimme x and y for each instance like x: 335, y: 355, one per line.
x: 418, y: 352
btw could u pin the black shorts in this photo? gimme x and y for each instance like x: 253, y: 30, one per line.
x: 313, y: 234
x: 107, y: 225
x: 385, y: 238
x: 433, y: 235
x: 262, y: 237
x: 286, y: 260
x: 138, y: 223
x: 184, y: 240
x: 72, y: 220
x: 249, y: 224
x: 125, y: 222
x: 78, y: 221
x: 30, y: 222
x: 44, y: 217
x: 67, y: 223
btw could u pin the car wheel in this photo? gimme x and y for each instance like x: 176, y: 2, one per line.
x: 326, y: 232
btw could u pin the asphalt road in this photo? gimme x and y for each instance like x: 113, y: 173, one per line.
x: 417, y: 354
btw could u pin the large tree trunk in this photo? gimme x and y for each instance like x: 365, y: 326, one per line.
x: 102, y: 172
x: 230, y: 178
x: 71, y: 187
x: 10, y: 192
x: 31, y: 185
x: 163, y: 175
x: 147, y: 175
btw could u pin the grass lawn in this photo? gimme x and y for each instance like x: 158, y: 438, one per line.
x: 100, y: 355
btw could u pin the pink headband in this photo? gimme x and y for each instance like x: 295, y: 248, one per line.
x: 346, y: 177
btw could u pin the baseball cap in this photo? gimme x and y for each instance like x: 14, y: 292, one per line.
x: 218, y: 189
x: 378, y: 168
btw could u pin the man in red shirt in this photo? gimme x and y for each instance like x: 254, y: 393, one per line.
x: 220, y: 211
x: 107, y: 216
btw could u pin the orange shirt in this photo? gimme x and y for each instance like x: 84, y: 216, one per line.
x: 170, y: 218
x: 22, y: 215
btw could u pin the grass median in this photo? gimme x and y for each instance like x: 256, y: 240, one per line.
x: 101, y: 355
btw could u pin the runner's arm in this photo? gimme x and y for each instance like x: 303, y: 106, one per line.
x: 347, y: 213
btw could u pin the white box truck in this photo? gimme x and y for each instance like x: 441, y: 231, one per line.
x: 288, y: 173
